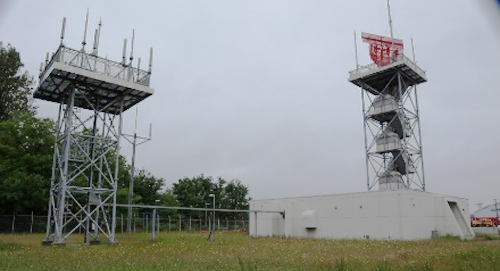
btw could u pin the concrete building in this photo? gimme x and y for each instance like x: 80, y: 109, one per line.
x: 386, y: 214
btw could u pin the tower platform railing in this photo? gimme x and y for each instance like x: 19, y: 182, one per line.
x: 99, y: 65
x: 401, y: 59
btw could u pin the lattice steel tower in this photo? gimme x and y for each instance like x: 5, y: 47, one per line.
x: 393, y: 141
x: 92, y: 93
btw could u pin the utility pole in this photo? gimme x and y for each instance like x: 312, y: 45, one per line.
x: 134, y: 143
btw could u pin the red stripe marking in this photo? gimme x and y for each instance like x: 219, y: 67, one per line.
x: 382, y: 41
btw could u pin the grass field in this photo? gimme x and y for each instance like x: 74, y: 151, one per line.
x: 238, y: 251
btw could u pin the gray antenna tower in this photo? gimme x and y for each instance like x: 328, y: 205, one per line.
x: 86, y: 153
x: 393, y: 141
x: 132, y: 139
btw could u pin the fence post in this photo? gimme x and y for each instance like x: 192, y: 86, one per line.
x: 158, y: 224
x: 153, y: 223
x: 122, y: 223
x: 13, y: 222
x: 189, y: 223
x: 31, y: 225
x: 180, y: 225
x: 256, y: 232
x: 169, y: 223
x: 134, y: 222
x: 147, y: 223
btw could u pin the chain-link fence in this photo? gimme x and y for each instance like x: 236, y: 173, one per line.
x: 22, y: 223
x: 142, y: 223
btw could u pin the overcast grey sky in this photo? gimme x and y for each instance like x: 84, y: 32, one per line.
x: 257, y: 90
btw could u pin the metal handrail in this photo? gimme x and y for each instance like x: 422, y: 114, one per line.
x: 94, y: 63
x: 401, y: 58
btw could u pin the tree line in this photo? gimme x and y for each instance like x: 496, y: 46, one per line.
x: 27, y: 149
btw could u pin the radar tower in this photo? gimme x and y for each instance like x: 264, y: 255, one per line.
x: 391, y: 118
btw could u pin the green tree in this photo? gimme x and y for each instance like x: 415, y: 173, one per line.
x: 15, y: 85
x: 236, y: 196
x: 195, y: 193
x: 219, y: 192
x: 26, y: 150
x: 168, y: 199
x: 148, y: 187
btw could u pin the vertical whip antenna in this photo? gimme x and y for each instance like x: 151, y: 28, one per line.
x: 85, y: 32
x: 356, y: 50
x: 413, y: 50
x: 150, y: 59
x: 390, y: 19
x: 96, y: 38
x: 132, y: 47
x: 63, y: 28
x: 138, y: 68
x: 95, y: 43
x: 124, y: 51
x: 392, y: 52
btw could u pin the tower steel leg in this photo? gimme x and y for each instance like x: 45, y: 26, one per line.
x: 61, y: 207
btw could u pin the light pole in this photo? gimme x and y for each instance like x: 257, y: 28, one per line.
x: 211, y: 226
x: 206, y: 213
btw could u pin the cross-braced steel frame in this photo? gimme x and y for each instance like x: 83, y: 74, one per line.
x: 87, y: 148
x: 391, y: 121
x: 84, y: 173
x: 86, y: 153
x: 409, y: 152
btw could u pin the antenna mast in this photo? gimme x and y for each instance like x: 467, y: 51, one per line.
x: 62, y: 30
x: 356, y: 49
x: 132, y: 139
x: 124, y: 57
x: 96, y: 39
x: 390, y: 19
x: 150, y: 60
x: 85, y: 32
x: 132, y: 47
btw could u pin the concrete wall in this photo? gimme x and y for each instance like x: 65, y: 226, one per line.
x: 399, y: 214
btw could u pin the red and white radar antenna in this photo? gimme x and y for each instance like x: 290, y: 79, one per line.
x: 383, y: 50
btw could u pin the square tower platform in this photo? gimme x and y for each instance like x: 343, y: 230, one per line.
x: 375, y: 79
x: 101, y: 84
